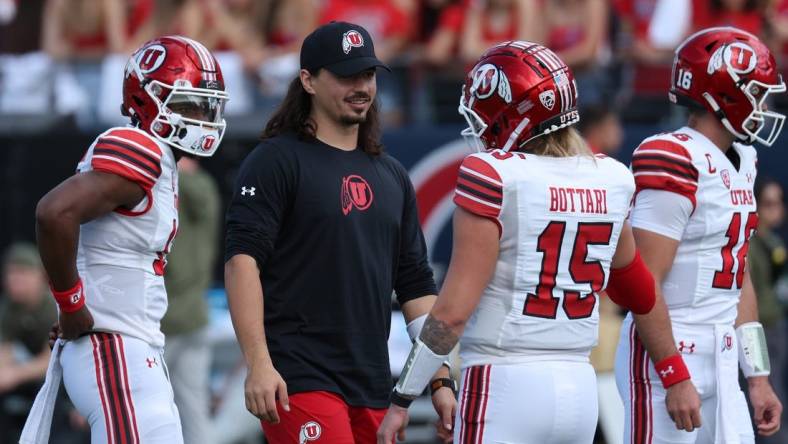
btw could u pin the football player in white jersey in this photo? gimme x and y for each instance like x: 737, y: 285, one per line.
x: 539, y: 232
x: 104, y: 234
x: 693, y: 216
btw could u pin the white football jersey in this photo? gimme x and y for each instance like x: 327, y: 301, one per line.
x: 704, y: 284
x: 559, y: 220
x: 122, y: 254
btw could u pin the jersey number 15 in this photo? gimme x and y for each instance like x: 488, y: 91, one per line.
x: 542, y: 303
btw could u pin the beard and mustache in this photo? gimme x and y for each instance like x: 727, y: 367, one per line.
x: 356, y: 119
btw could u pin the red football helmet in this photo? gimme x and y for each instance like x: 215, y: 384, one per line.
x: 516, y: 92
x: 173, y: 89
x: 730, y: 73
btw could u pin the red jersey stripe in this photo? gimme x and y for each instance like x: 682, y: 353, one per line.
x: 140, y: 140
x: 666, y: 182
x: 479, y: 189
x: 122, y: 151
x: 660, y: 158
x: 481, y: 193
x: 481, y: 169
x: 639, y: 165
x: 667, y: 146
x: 480, y: 183
x: 662, y: 155
x: 123, y: 169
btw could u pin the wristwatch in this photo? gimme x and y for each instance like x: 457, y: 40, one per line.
x: 443, y: 382
x: 400, y: 400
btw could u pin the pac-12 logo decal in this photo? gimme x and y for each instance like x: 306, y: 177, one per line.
x: 487, y: 80
x: 726, y: 178
x: 151, y: 58
x: 547, y: 98
x: 356, y: 192
x: 352, y: 39
x: 310, y: 431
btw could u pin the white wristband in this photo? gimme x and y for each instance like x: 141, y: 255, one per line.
x: 420, y: 367
x: 753, y: 352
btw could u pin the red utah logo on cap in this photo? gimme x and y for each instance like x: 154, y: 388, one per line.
x: 352, y: 39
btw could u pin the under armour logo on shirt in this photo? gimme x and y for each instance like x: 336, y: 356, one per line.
x: 667, y: 371
x: 247, y: 191
x: 151, y: 362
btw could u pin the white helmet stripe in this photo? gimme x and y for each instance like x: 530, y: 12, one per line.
x: 556, y: 61
x: 192, y: 44
x: 204, y: 53
x: 522, y: 44
x: 564, y: 96
x: 206, y: 59
x: 545, y: 61
x: 570, y: 99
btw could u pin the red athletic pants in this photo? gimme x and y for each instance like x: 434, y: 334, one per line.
x: 323, y: 417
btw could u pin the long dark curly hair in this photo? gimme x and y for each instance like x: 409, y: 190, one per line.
x: 292, y: 116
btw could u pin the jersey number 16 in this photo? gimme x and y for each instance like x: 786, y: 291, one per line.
x: 724, y: 278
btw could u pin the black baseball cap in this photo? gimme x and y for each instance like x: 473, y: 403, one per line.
x: 343, y: 48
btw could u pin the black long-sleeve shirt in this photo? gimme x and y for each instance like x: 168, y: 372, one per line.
x: 334, y: 233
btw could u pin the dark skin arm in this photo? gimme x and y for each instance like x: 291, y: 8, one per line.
x: 78, y: 199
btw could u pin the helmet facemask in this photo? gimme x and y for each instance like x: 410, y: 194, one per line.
x: 761, y: 120
x: 199, y: 127
x: 476, y: 125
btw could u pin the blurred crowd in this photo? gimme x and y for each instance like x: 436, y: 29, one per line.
x: 68, y: 55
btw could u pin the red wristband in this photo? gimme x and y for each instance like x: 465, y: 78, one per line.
x: 70, y: 300
x: 672, y: 370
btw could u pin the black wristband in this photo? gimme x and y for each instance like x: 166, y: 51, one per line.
x: 443, y: 382
x: 400, y: 400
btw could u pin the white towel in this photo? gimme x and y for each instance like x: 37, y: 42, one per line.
x: 727, y: 360
x: 39, y: 420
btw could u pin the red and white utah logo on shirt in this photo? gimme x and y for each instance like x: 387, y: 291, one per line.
x: 355, y: 193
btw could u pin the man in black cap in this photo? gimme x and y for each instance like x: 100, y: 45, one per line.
x: 321, y: 229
